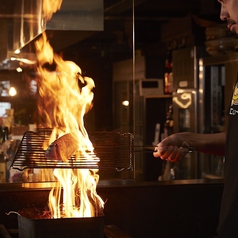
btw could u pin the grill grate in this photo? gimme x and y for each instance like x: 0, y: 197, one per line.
x: 30, y: 154
x: 116, y: 153
x: 113, y: 154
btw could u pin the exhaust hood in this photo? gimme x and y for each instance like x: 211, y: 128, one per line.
x: 22, y: 21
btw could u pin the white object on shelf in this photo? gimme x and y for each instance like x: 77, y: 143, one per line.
x: 157, y: 133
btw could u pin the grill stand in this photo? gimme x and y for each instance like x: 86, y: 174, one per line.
x: 110, y: 231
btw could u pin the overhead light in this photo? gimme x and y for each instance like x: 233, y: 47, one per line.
x: 12, y: 91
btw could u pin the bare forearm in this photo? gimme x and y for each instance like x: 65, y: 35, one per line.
x: 177, y: 145
x: 207, y: 143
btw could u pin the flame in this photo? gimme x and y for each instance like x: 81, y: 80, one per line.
x: 49, y: 7
x: 64, y: 98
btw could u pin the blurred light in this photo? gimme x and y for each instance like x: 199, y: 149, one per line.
x: 201, y: 69
x: 125, y: 103
x: 19, y: 69
x: 12, y: 91
x: 23, y: 60
x: 17, y: 51
x: 33, y: 87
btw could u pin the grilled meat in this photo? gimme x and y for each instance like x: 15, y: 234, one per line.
x: 62, y: 148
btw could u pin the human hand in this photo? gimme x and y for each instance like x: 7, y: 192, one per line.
x: 173, y: 148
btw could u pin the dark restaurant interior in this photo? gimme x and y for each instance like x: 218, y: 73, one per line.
x: 159, y: 67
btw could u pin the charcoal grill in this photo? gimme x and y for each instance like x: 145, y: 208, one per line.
x: 111, y: 231
x: 113, y: 154
x: 61, y: 228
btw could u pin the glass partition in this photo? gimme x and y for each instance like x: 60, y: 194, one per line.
x: 128, y: 61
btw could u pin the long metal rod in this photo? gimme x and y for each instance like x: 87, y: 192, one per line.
x: 133, y: 63
x: 133, y: 77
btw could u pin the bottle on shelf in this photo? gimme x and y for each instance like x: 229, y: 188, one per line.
x: 168, y: 75
x: 169, y: 122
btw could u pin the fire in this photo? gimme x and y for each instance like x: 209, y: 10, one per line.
x: 64, y: 98
x: 50, y: 7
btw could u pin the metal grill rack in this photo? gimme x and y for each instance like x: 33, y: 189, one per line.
x: 30, y: 154
x: 116, y: 153
x: 113, y: 154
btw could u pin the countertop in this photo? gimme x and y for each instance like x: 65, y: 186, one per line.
x: 112, y: 183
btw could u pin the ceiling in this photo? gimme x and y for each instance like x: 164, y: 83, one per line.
x: 149, y: 17
x: 122, y: 25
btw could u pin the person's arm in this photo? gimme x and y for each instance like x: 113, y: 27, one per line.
x: 177, y: 145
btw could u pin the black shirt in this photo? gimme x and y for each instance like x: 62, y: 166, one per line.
x: 228, y: 223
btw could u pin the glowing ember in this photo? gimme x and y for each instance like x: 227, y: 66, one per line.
x: 64, y: 98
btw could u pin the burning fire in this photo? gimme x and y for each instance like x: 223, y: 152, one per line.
x: 50, y: 7
x: 64, y: 98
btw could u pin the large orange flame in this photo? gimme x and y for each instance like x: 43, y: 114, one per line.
x: 64, y: 98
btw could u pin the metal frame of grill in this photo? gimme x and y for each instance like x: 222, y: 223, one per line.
x: 116, y: 153
x: 113, y: 154
x: 31, y: 154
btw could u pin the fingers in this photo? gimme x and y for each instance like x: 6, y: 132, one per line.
x: 170, y: 153
x: 177, y: 154
x: 173, y: 147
